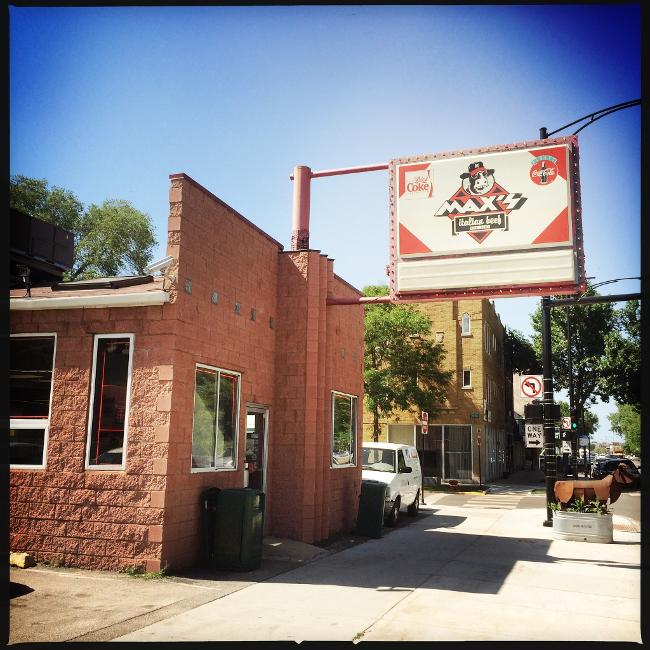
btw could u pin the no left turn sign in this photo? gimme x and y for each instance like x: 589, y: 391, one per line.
x: 531, y: 386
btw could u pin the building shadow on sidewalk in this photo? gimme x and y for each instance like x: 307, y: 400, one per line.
x: 424, y: 548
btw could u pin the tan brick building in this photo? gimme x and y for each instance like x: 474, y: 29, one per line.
x: 479, y: 399
x: 129, y: 397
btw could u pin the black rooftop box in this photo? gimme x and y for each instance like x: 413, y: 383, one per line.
x: 41, y: 241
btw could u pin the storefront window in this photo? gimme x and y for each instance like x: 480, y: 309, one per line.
x: 31, y: 364
x: 446, y: 451
x: 344, y: 429
x: 216, y: 419
x: 109, y: 401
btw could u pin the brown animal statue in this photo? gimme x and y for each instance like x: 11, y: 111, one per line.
x: 609, y: 487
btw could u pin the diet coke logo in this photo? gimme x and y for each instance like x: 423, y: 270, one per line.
x: 543, y: 170
x: 418, y: 184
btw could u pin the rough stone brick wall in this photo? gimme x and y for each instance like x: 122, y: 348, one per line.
x: 219, y: 251
x: 314, y: 356
x: 345, y: 345
x: 95, y: 518
x: 288, y: 458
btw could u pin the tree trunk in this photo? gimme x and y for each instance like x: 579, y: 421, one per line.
x: 375, y: 426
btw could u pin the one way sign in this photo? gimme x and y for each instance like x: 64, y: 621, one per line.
x: 534, y: 435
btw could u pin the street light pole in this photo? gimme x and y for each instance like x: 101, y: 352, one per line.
x: 547, y: 370
x: 549, y: 428
x: 573, y: 438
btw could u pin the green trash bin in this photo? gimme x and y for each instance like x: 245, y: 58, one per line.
x: 239, y: 529
x: 208, y: 520
x: 370, y: 518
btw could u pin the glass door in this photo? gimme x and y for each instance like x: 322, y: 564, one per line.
x: 255, y: 457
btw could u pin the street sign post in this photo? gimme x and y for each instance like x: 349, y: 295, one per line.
x: 531, y: 387
x: 425, y: 422
x: 566, y: 423
x: 566, y: 447
x: 534, y: 435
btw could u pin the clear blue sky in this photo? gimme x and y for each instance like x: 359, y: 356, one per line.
x: 108, y: 101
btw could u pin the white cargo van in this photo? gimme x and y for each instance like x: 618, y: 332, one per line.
x: 398, y: 466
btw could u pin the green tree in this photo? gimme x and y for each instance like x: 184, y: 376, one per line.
x: 590, y: 325
x: 110, y: 239
x: 56, y: 205
x: 401, y: 363
x: 115, y: 238
x: 626, y: 421
x: 620, y: 367
x: 520, y: 354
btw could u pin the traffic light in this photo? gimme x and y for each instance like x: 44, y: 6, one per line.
x: 574, y: 420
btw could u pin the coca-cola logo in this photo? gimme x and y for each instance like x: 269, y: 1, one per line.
x: 418, y: 184
x: 543, y: 170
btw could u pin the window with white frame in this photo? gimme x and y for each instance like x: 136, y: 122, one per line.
x: 31, y: 366
x: 344, y: 429
x: 109, y: 401
x: 215, y: 428
x: 467, y: 378
x: 465, y: 325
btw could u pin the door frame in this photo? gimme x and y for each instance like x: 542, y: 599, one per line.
x: 264, y: 410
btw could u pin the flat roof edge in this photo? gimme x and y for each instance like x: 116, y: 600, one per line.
x: 90, y: 302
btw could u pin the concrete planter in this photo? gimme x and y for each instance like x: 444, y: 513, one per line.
x: 583, y: 527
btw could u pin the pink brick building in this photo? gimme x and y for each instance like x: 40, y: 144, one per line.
x: 128, y: 400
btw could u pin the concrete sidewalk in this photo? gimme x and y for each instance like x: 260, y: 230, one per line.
x: 452, y: 573
x: 66, y: 604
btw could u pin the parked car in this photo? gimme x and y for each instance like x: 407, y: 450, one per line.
x: 601, y: 467
x: 398, y: 466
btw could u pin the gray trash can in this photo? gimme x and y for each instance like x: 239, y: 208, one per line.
x: 370, y: 518
x: 239, y: 527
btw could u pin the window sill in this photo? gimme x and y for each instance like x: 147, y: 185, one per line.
x: 341, y: 466
x: 467, y: 387
x: 202, y: 470
x: 465, y: 333
x: 27, y: 467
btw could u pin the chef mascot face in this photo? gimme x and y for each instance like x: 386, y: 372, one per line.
x: 478, y: 179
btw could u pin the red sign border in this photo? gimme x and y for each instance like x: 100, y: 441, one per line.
x: 521, y: 389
